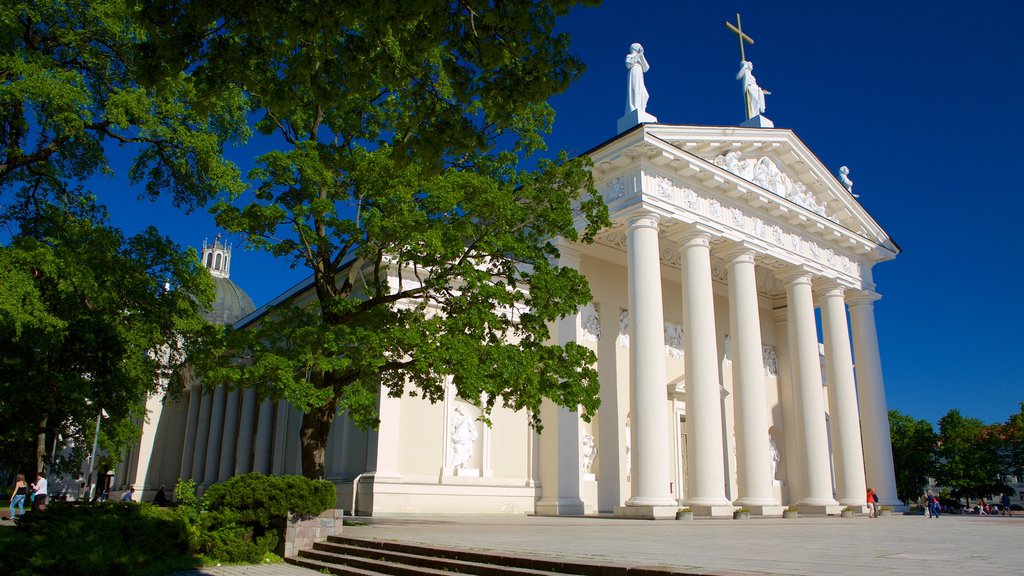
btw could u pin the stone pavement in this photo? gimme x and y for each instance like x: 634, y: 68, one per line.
x: 899, y: 545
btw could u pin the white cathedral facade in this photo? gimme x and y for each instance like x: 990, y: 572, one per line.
x: 715, y: 390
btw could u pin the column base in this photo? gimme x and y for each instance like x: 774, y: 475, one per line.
x: 828, y: 510
x: 643, y: 512
x: 769, y: 510
x: 713, y: 511
x: 817, y: 502
x: 756, y: 502
x: 560, y: 507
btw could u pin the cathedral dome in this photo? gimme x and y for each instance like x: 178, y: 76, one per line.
x: 231, y: 303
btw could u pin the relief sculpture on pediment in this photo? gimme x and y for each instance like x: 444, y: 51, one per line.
x: 764, y: 172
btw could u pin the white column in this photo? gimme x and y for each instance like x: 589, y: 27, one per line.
x: 808, y: 394
x: 279, y: 465
x: 753, y: 461
x: 787, y: 437
x: 229, y: 437
x: 191, y: 427
x: 651, y: 496
x: 202, y: 434
x: 216, y: 430
x: 560, y: 440
x: 848, y: 456
x: 264, y: 449
x: 243, y: 451
x: 706, y: 459
x: 874, y: 415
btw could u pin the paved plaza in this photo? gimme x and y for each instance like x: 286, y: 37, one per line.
x: 899, y: 545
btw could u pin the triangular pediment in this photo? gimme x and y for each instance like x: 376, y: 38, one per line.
x: 777, y: 161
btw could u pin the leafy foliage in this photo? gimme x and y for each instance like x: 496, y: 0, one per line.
x: 107, y: 539
x: 969, y: 462
x: 89, y: 325
x: 395, y: 178
x: 70, y: 83
x: 242, y: 519
x: 914, y: 446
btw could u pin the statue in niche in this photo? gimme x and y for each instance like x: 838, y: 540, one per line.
x: 464, y: 436
x: 624, y: 328
x: 637, y: 65
x: 673, y: 340
x: 591, y: 323
x: 589, y: 452
x: 773, y: 454
x: 771, y: 361
x: 755, y: 94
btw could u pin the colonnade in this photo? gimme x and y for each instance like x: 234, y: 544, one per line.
x: 229, y: 433
x: 856, y: 465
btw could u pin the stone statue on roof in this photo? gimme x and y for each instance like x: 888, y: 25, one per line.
x: 755, y: 94
x: 637, y: 65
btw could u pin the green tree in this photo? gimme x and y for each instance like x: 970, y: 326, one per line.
x: 396, y: 137
x: 969, y: 462
x: 71, y: 84
x: 86, y: 323
x: 1011, y: 450
x: 74, y: 82
x: 914, y: 446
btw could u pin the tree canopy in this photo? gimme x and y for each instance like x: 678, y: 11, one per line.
x: 914, y: 443
x: 969, y: 462
x: 86, y: 324
x: 394, y: 175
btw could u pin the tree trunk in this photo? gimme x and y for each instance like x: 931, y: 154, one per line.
x: 316, y: 427
x: 41, y: 442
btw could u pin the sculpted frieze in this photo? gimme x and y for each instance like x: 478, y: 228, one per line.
x: 732, y: 216
x: 764, y: 172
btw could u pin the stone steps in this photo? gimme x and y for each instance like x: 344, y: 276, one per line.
x: 366, y: 557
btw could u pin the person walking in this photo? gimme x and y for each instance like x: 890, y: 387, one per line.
x: 20, y: 493
x: 872, y: 502
x: 39, y: 492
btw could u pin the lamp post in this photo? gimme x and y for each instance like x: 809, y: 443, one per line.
x: 92, y: 457
x: 53, y: 454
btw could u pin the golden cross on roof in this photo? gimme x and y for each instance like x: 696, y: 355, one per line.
x: 738, y: 29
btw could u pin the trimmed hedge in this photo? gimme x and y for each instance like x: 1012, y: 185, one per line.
x: 240, y: 520
x: 243, y: 519
x: 112, y: 538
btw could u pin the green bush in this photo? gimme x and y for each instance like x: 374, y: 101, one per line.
x: 241, y: 520
x: 113, y: 538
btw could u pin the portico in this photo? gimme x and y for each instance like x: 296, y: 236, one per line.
x: 738, y: 235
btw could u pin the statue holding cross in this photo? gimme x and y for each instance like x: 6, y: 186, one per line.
x: 753, y: 94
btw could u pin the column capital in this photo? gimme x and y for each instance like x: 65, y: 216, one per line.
x: 862, y: 298
x: 793, y: 275
x: 738, y: 254
x: 694, y: 238
x: 829, y: 287
x: 643, y: 219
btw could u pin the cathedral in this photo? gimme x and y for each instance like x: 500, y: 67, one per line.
x: 729, y: 245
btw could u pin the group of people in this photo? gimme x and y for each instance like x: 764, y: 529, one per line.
x: 25, y: 491
x: 932, y: 506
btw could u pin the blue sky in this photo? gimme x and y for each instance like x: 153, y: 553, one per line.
x: 919, y: 99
